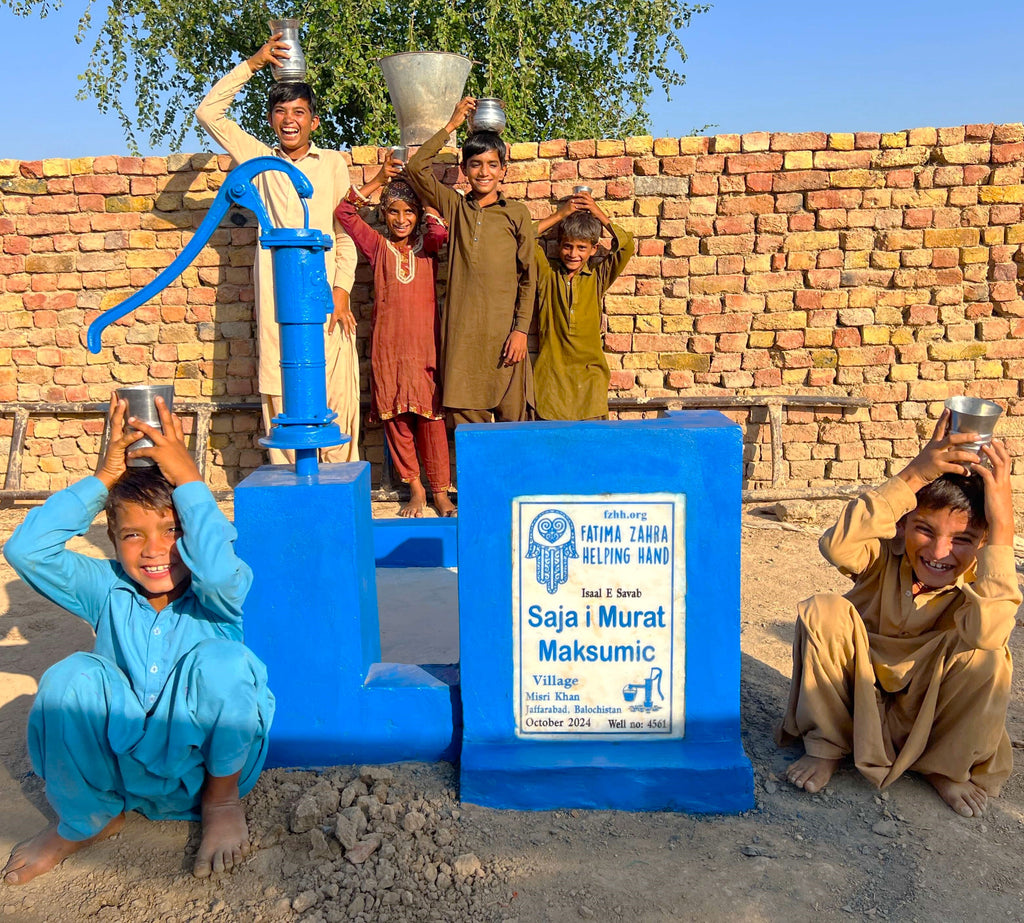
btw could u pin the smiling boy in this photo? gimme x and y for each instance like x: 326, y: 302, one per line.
x: 910, y: 670
x: 485, y: 369
x: 168, y: 714
x: 572, y: 372
x: 291, y: 112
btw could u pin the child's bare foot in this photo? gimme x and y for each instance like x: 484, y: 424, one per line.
x: 966, y: 798
x: 225, y: 841
x: 443, y: 504
x: 811, y: 773
x: 417, y: 500
x: 47, y: 849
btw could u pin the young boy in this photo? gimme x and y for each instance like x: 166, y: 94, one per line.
x: 485, y: 369
x: 292, y: 114
x: 572, y: 373
x: 910, y: 669
x: 169, y: 713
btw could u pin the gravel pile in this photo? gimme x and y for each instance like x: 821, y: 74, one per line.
x: 368, y: 844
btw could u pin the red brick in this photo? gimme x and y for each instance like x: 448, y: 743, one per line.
x: 800, y: 141
x: 753, y: 163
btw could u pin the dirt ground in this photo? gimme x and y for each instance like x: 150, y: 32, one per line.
x: 847, y: 853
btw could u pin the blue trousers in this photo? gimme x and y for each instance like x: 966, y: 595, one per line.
x: 101, y: 753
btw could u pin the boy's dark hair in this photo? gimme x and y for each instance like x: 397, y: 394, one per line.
x: 480, y: 142
x: 580, y: 226
x: 956, y: 492
x: 146, y: 487
x: 289, y: 92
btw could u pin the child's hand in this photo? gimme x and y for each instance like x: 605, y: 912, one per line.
x: 168, y: 450
x: 275, y: 52
x: 584, y: 202
x: 998, y: 495
x: 943, y: 454
x: 112, y: 463
x: 342, y: 314
x: 514, y: 349
x: 461, y: 113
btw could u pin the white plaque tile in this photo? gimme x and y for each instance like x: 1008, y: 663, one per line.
x: 598, y: 615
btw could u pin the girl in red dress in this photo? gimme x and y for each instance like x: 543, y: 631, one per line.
x: 405, y: 388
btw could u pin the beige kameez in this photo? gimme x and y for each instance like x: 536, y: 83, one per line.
x: 328, y: 173
x: 897, y: 680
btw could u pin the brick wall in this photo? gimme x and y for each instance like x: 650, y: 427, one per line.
x: 886, y: 266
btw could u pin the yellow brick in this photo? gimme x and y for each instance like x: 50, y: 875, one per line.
x: 798, y: 160
x: 56, y: 166
x: 605, y: 148
x: 824, y: 358
x: 988, y: 368
x: 894, y: 139
x: 47, y: 429
x: 856, y: 179
x: 903, y: 372
x: 639, y: 145
x: 783, y: 320
x: 1015, y: 234
x: 666, y: 147
x: 365, y: 154
x: 993, y: 237
x: 874, y: 335
x: 695, y: 362
x: 125, y: 203
x: 811, y: 240
x: 81, y: 165
x: 901, y: 336
x: 841, y: 141
x: 951, y: 237
x: 944, y: 352
x: 529, y: 150
x: 973, y: 255
x: 10, y: 167
x: 818, y: 336
x: 692, y: 144
x: 995, y: 194
x: 761, y: 339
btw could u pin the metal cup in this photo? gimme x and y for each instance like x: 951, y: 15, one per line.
x: 400, y: 153
x: 973, y: 415
x: 294, y: 69
x: 576, y: 190
x: 142, y: 405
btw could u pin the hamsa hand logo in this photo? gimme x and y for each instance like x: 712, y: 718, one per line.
x: 552, y: 541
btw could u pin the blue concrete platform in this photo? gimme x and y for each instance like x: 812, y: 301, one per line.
x: 599, y: 598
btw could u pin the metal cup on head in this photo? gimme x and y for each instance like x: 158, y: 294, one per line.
x: 142, y: 405
x: 973, y: 415
x: 577, y: 190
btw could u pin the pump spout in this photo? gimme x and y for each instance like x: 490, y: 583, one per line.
x: 238, y: 190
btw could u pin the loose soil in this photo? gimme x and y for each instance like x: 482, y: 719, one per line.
x: 847, y: 853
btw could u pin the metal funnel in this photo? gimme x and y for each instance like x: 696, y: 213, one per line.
x: 425, y: 87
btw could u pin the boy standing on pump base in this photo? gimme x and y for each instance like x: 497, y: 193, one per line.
x: 168, y: 714
x: 292, y: 115
x: 911, y: 669
x: 485, y: 369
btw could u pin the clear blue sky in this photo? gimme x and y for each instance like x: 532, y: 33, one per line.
x: 752, y: 66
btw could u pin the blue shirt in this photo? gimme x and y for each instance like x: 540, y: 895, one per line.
x: 145, y: 644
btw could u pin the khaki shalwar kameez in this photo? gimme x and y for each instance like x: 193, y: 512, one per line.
x: 328, y: 173
x: 491, y: 290
x: 903, y: 681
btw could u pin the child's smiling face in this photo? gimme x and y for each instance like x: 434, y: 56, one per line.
x: 575, y: 254
x: 145, y: 542
x: 293, y: 123
x: 940, y: 545
x: 401, y: 219
x: 485, y: 173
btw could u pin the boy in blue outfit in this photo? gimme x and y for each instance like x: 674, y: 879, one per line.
x: 169, y: 713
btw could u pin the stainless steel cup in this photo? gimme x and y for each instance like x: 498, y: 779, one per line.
x: 973, y: 415
x: 142, y: 405
x: 294, y: 69
x: 576, y: 190
x: 400, y: 153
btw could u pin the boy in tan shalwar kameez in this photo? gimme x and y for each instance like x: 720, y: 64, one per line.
x: 911, y: 669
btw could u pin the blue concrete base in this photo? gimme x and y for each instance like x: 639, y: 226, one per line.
x: 416, y: 542
x: 689, y: 459
x: 311, y: 616
x: 699, y: 778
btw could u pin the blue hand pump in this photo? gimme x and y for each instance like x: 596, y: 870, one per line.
x: 302, y: 301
